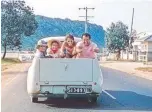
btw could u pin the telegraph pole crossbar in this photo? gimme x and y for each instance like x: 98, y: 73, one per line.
x: 86, y: 16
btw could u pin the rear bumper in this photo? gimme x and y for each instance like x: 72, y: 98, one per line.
x: 63, y: 95
x: 62, y: 91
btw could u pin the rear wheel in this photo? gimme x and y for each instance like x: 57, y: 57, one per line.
x: 92, y: 99
x: 34, y: 99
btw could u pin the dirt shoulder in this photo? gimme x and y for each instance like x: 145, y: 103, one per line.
x: 12, y: 71
x: 133, y: 68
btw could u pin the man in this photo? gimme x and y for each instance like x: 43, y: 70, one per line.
x: 41, y: 49
x: 86, y: 48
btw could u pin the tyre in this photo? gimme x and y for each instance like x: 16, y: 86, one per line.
x: 34, y: 99
x: 92, y: 99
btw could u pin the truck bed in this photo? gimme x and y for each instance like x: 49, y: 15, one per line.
x: 65, y: 70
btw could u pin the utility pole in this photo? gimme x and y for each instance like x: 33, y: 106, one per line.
x: 130, y: 34
x: 132, y: 21
x: 86, y: 17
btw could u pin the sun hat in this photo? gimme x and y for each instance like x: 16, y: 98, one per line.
x: 52, y: 41
x: 41, y: 43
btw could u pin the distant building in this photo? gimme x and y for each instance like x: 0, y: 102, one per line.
x: 143, y: 44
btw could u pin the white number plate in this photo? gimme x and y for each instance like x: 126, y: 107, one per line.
x: 79, y: 90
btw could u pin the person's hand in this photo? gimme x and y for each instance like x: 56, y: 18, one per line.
x: 48, y: 56
x: 96, y: 50
x: 67, y: 48
x: 79, y: 49
x: 62, y: 55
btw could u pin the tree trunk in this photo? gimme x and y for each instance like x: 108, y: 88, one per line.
x: 127, y: 54
x: 4, y: 52
x: 118, y: 55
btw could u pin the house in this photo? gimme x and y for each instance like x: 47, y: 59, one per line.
x: 143, y: 46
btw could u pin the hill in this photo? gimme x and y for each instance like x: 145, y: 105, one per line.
x: 48, y: 27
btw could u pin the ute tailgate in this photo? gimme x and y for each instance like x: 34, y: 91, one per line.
x: 65, y: 70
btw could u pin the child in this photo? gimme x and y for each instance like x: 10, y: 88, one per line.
x: 53, y: 49
x: 68, y: 47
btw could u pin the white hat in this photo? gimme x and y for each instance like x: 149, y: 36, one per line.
x: 42, y: 42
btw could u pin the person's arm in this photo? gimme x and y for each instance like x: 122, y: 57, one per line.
x: 48, y: 51
x: 62, y: 53
x: 79, y: 47
x: 95, y: 48
x: 68, y: 49
x: 74, y: 51
x: 62, y: 47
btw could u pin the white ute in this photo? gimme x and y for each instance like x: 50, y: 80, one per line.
x: 64, y: 77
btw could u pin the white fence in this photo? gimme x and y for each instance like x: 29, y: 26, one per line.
x: 26, y: 57
x: 126, y: 56
x: 22, y: 56
x: 123, y: 56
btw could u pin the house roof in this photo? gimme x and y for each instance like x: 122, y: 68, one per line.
x: 143, y: 34
x: 145, y: 38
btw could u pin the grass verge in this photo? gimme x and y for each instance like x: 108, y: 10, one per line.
x: 144, y: 69
x: 8, y: 62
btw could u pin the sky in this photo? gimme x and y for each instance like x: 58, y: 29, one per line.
x: 105, y: 12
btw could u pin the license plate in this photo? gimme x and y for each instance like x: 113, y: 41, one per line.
x: 79, y: 90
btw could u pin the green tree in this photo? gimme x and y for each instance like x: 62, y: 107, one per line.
x: 117, y: 37
x: 17, y: 21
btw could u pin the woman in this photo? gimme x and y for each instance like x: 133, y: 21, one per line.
x: 68, y: 46
x: 40, y: 49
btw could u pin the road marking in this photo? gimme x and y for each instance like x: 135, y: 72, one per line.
x: 17, y: 75
x: 109, y: 94
x: 11, y: 80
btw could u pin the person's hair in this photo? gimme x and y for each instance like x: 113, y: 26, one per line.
x: 69, y: 36
x: 86, y: 35
x: 38, y: 46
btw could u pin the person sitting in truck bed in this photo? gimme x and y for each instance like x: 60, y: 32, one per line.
x: 67, y: 49
x: 41, y: 49
x: 53, y: 50
x: 86, y: 48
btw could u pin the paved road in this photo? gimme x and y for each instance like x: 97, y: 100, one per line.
x: 122, y: 92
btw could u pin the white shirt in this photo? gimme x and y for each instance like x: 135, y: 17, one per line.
x: 39, y: 54
x: 87, y: 51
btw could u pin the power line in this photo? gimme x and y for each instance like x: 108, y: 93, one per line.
x: 86, y: 16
